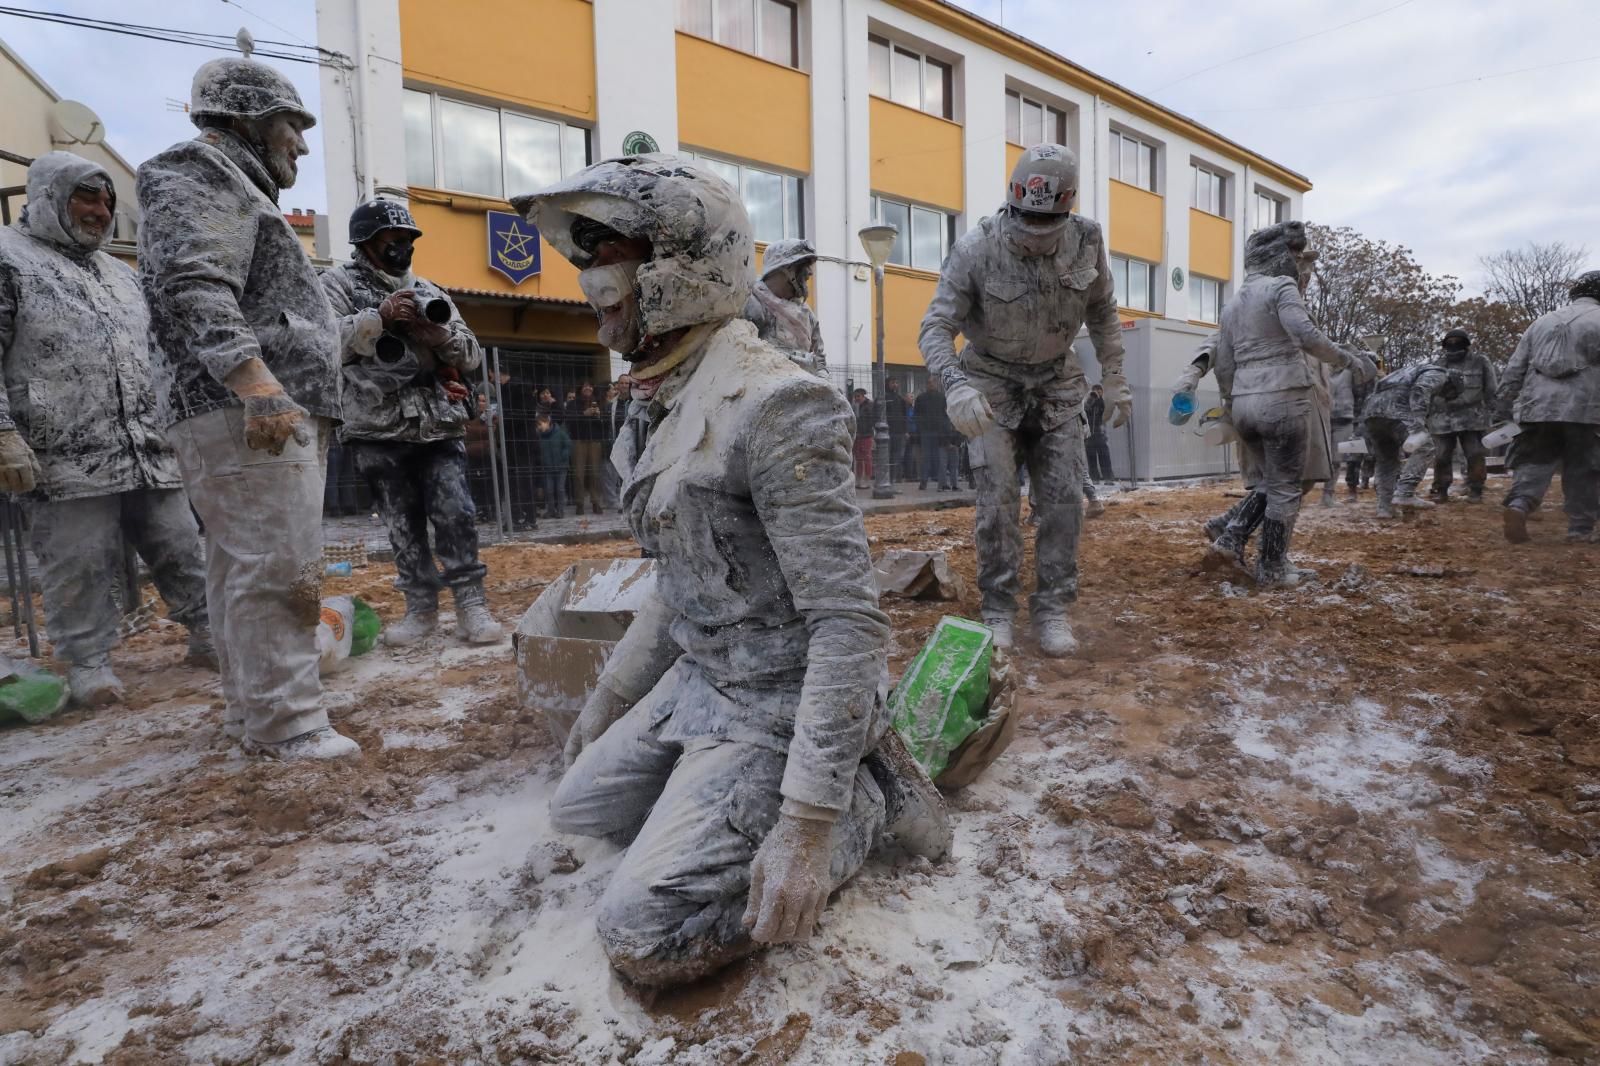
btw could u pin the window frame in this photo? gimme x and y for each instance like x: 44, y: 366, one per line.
x: 1142, y: 147
x: 436, y: 145
x: 1280, y: 205
x: 946, y: 73
x: 947, y: 231
x: 758, y: 16
x: 1221, y: 180
x: 792, y: 202
x: 1197, y: 286
x: 1121, y: 267
x: 1048, y: 110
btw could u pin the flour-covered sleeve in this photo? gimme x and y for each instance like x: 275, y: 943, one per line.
x: 8, y: 333
x: 803, y: 486
x: 1297, y: 323
x: 1511, y: 382
x: 947, y: 315
x: 196, y: 245
x: 1105, y: 328
x: 461, y: 349
x: 359, y: 328
x: 645, y: 652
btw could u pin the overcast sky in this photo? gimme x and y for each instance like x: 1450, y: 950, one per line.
x: 1452, y: 172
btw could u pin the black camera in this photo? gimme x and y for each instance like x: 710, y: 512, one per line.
x: 391, y: 348
x: 437, y: 310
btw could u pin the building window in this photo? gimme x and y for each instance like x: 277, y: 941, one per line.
x: 925, y: 233
x: 1209, y: 191
x: 771, y: 199
x: 910, y: 78
x: 1133, y: 162
x: 764, y: 28
x: 1029, y: 122
x: 1269, y: 210
x: 451, y: 144
x: 1135, y: 282
x: 1205, y: 299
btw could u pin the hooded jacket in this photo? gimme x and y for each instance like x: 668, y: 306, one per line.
x: 1554, y: 375
x: 227, y: 279
x: 789, y: 326
x: 1469, y: 408
x: 379, y: 405
x: 75, y: 344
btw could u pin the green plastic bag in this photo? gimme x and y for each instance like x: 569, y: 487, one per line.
x: 941, y: 700
x: 29, y: 693
x: 364, y: 628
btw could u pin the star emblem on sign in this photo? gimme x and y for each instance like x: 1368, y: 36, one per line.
x: 516, y: 242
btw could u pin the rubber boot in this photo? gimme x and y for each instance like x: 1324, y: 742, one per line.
x: 1229, y: 545
x: 1054, y: 634
x: 1215, y: 526
x: 1514, y: 521
x: 915, y: 817
x: 1477, y: 474
x: 422, y: 618
x: 474, y: 623
x: 1328, y: 498
x: 319, y: 744
x: 1000, y: 625
x: 202, y: 649
x: 1273, y: 568
x: 94, y: 686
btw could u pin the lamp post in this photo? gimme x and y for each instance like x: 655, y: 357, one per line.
x: 879, y: 242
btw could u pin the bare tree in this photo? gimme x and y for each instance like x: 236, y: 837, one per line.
x: 1533, y: 279
x: 1495, y: 326
x: 1364, y: 288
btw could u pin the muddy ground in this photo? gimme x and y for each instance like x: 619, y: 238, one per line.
x: 1355, y: 822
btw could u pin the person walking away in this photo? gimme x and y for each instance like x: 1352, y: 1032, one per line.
x: 586, y: 424
x: 1342, y: 397
x: 79, y: 436
x: 1461, y: 420
x: 1098, y: 445
x: 1018, y: 286
x: 555, y: 456
x: 253, y: 352
x: 405, y: 349
x: 1396, y: 410
x: 777, y: 304
x: 1551, y: 388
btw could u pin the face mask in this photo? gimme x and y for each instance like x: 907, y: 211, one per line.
x: 610, y: 291
x: 396, y: 258
x: 1032, y: 235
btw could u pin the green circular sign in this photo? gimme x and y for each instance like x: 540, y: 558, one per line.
x: 639, y: 143
x: 1177, y: 278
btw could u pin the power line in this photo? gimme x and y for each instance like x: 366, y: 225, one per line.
x: 1281, y: 44
x: 1396, y: 92
x: 168, y: 36
x: 269, y: 22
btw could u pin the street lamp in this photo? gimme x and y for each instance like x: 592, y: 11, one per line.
x: 879, y: 242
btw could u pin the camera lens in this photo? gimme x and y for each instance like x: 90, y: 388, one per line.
x: 437, y: 310
x: 390, y: 349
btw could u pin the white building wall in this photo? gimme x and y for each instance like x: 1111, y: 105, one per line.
x: 636, y: 74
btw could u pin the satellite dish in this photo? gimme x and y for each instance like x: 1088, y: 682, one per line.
x: 73, y: 123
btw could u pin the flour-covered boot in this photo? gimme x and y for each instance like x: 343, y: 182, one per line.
x: 1054, y: 634
x: 474, y: 623
x: 915, y: 817
x: 319, y: 744
x: 1093, y: 507
x: 1515, y: 524
x: 94, y: 686
x: 1273, y: 568
x: 422, y: 618
x: 202, y: 649
x: 1000, y: 626
x: 1229, y: 545
x: 1328, y: 497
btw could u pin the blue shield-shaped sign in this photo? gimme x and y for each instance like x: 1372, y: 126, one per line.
x: 513, y: 246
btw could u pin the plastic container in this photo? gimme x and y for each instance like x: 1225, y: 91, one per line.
x: 1182, y: 408
x: 941, y: 700
x: 340, y: 569
x: 347, y: 627
x: 1353, y: 447
x: 29, y: 693
x: 1417, y: 440
x: 1501, y: 435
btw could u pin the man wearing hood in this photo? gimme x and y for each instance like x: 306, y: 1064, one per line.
x: 738, y: 733
x: 405, y: 348
x: 1552, y: 388
x: 1018, y: 286
x: 777, y: 304
x: 78, y: 425
x: 1462, y: 418
x: 253, y: 349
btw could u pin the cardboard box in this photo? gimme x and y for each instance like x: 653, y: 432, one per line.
x: 564, y: 639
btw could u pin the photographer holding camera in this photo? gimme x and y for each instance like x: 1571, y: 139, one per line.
x: 404, y: 349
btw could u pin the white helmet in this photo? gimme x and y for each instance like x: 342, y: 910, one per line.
x: 702, y: 251
x: 1045, y: 180
x: 786, y: 253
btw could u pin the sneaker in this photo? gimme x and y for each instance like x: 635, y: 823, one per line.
x: 202, y: 649
x: 1000, y: 626
x: 1581, y: 536
x: 321, y: 743
x: 1413, y: 502
x: 915, y: 817
x: 414, y: 627
x: 94, y: 686
x: 1515, y: 523
x: 1055, y: 637
x: 475, y: 625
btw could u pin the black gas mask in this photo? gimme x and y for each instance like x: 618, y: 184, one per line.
x: 395, y: 257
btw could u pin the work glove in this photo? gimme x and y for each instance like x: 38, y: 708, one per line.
x: 600, y: 712
x: 969, y: 410
x: 789, y: 880
x: 19, y: 467
x: 1119, y: 397
x: 450, y: 378
x: 400, y: 308
x: 271, y: 418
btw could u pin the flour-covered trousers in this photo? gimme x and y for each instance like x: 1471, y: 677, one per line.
x: 263, y: 519
x: 1273, y: 435
x: 1573, y: 448
x: 79, y: 547
x: 695, y: 808
x: 1056, y: 467
x: 415, y: 486
x: 1385, y: 439
x: 1471, y: 443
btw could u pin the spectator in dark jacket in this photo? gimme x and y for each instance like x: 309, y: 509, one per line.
x: 936, y: 437
x: 555, y: 455
x: 866, y: 420
x: 898, y: 413
x: 1097, y: 446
